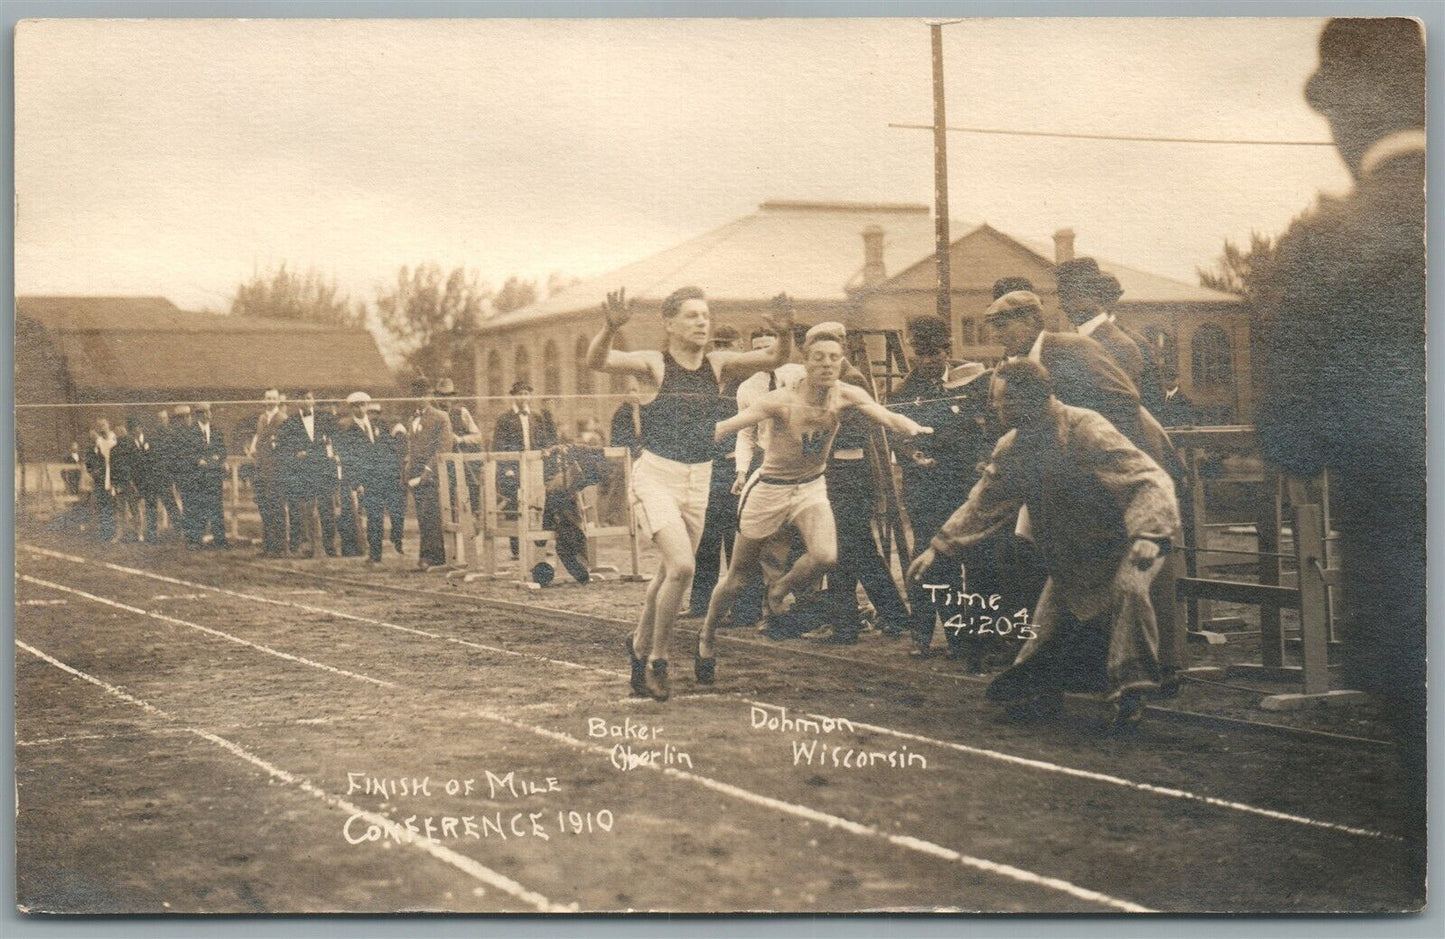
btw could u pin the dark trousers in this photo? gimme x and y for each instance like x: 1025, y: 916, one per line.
x: 175, y: 512
x: 429, y: 519
x: 373, y: 506
x: 151, y: 504
x: 105, y: 513
x: 307, y: 514
x: 560, y: 518
x: 204, y: 512
x: 716, y: 545
x: 346, y: 523
x: 393, y: 503
x: 273, y: 516
x: 852, y: 495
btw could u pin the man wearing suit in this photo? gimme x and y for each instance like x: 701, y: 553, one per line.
x: 204, y: 450
x: 1343, y: 310
x: 364, y: 457
x: 1083, y: 373
x: 391, y: 488
x: 147, y: 478
x: 304, y: 443
x: 431, y: 436
x: 1087, y: 296
x: 270, y: 494
x: 518, y: 430
x: 98, y: 463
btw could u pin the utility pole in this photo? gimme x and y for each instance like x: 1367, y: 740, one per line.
x: 940, y: 178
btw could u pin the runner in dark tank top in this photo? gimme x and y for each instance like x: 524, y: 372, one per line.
x: 676, y: 424
x: 673, y: 473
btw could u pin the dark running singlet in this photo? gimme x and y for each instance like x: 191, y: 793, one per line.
x: 678, y: 423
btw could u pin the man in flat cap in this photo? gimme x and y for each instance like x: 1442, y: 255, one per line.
x: 1104, y: 515
x: 1343, y: 311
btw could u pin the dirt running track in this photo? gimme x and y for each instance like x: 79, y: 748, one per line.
x: 207, y: 733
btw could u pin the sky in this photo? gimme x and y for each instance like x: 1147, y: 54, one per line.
x: 174, y: 158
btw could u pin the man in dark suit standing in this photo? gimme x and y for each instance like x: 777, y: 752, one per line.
x: 147, y: 478
x: 362, y: 447
x: 519, y: 430
x: 1087, y: 296
x: 270, y: 495
x: 1343, y: 328
x: 304, y: 442
x: 204, y: 447
x: 431, y: 436
x: 390, y: 487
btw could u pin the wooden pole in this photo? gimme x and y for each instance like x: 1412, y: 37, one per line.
x: 940, y: 178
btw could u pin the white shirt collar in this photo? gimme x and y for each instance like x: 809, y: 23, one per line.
x: 1087, y: 329
x: 1390, y: 146
x: 1036, y: 353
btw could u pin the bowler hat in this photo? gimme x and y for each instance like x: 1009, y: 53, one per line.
x: 520, y: 386
x: 445, y: 388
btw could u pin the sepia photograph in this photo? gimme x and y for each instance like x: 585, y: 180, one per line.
x: 959, y: 466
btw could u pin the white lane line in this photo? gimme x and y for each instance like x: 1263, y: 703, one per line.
x: 1149, y: 788
x: 801, y: 811
x: 135, y: 571
x: 1048, y: 767
x: 205, y: 629
x: 461, y: 862
x: 840, y: 823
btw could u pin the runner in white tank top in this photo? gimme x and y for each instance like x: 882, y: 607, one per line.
x: 789, y: 487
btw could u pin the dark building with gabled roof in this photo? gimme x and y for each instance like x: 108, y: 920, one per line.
x: 79, y: 358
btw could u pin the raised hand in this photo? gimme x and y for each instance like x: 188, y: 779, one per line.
x: 617, y: 309
x: 780, y: 316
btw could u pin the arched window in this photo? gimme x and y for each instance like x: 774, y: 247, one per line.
x: 496, y: 381
x: 551, y: 370
x: 522, y: 366
x: 585, y: 385
x: 1211, y: 358
x: 967, y: 331
x: 1164, y: 346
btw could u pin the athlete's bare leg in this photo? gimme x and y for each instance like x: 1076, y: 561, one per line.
x: 820, y: 539
x: 664, y: 595
x: 744, y: 565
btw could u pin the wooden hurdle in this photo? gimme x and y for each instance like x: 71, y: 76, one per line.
x: 471, y: 532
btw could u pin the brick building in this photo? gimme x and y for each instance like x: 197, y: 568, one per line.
x: 865, y: 264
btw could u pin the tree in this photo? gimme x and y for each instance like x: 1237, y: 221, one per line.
x: 515, y: 294
x: 433, y: 320
x: 1238, y: 271
x: 283, y: 294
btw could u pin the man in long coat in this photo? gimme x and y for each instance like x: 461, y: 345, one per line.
x: 1343, y: 328
x: 431, y: 436
x: 270, y: 493
x: 1102, y: 514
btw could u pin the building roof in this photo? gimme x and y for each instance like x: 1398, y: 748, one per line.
x: 811, y: 250
x: 148, y: 344
x: 814, y: 252
x: 1140, y: 286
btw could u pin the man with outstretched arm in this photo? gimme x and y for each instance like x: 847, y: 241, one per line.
x: 680, y: 387
x: 789, y: 488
